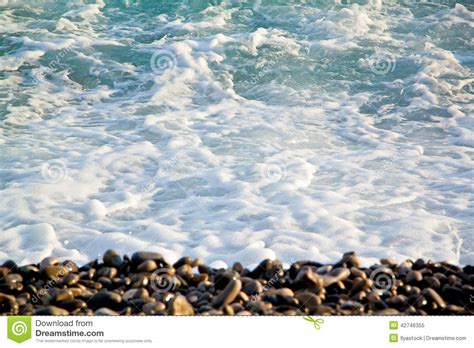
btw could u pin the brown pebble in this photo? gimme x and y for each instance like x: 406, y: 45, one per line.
x: 105, y: 312
x: 433, y: 295
x: 60, y: 295
x: 71, y: 279
x: 414, y: 277
x: 147, y: 266
x: 253, y: 287
x: 55, y: 272
x: 228, y: 295
x: 140, y: 256
x: 50, y: 310
x: 285, y: 292
x: 136, y: 294
x: 153, y: 308
x: 308, y: 300
x: 48, y: 261
x: 107, y: 272
x: 180, y: 306
x: 336, y: 275
x: 112, y: 259
x: 105, y: 299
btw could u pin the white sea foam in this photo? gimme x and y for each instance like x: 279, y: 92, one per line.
x: 250, y: 143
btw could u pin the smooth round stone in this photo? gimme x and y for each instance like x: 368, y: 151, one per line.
x: 179, y: 305
x: 71, y: 279
x: 432, y: 282
x: 89, y: 274
x: 434, y: 296
x: 73, y: 305
x: 183, y: 261
x: 29, y: 271
x: 71, y: 266
x: 355, y: 272
x: 253, y: 287
x: 140, y: 281
x: 48, y: 261
x: 413, y: 277
x: 8, y: 304
x: 228, y: 310
x: 360, y: 296
x: 185, y: 271
x: 454, y: 309
x: 50, y: 310
x: 136, y: 294
x: 285, y: 292
x: 307, y: 276
x: 388, y: 311
x: 112, y: 259
x: 243, y: 297
x: 153, y: 308
x: 105, y: 282
x: 352, y: 306
x: 105, y: 299
x: 77, y: 290
x: 59, y: 295
x: 105, y: 312
x: 13, y: 281
x: 108, y: 272
x: 90, y: 284
x: 10, y: 266
x: 229, y: 294
x: 360, y: 284
x: 255, y: 306
x: 147, y: 266
x: 54, y: 272
x: 308, y: 300
x: 197, y: 262
x: 237, y: 267
x: 204, y: 285
x: 224, y: 278
x: 237, y: 307
x: 398, y: 301
x: 349, y: 259
x: 140, y: 256
x: 336, y: 275
x: 197, y: 278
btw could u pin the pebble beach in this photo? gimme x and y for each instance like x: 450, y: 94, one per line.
x: 145, y: 284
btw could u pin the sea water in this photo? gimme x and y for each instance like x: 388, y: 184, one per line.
x: 237, y: 130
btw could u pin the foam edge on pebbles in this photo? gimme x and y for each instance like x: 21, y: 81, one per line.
x: 145, y: 284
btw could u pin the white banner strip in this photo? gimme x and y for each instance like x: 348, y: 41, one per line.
x: 236, y: 331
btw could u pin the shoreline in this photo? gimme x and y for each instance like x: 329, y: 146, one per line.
x: 145, y: 284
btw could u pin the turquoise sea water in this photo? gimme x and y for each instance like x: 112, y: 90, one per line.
x: 237, y: 129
